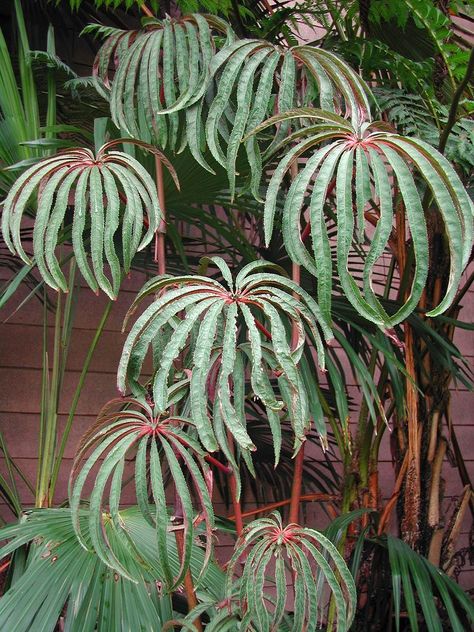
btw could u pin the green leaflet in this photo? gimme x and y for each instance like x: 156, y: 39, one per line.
x: 201, y: 361
x: 244, y: 98
x: 287, y: 91
x: 234, y: 422
x: 416, y: 221
x: 345, y: 233
x: 321, y: 246
x: 204, y: 491
x: 173, y: 349
x: 56, y: 218
x: 112, y: 221
x: 97, y: 230
x: 78, y: 225
x: 384, y: 225
x: 454, y: 205
x: 225, y: 87
x: 43, y: 214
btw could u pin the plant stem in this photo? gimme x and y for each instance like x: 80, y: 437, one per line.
x: 220, y: 466
x: 160, y: 251
x: 146, y: 10
x: 455, y: 103
x: 77, y: 394
x: 49, y: 408
x: 160, y: 258
x: 188, y: 580
x: 316, y: 497
x: 410, y: 523
x: 296, y: 486
x: 297, y: 483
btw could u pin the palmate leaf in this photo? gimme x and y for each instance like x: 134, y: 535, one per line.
x: 134, y: 431
x: 97, y: 187
x: 62, y: 578
x: 158, y: 72
x: 217, y: 315
x: 312, y: 559
x: 364, y: 166
x: 253, y: 78
x: 169, y: 80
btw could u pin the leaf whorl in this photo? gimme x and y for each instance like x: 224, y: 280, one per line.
x: 160, y: 445
x: 269, y: 548
x: 104, y: 191
x: 360, y: 166
x: 263, y: 307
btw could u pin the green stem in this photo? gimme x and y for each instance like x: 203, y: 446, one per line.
x: 77, y: 394
x: 51, y: 111
x: 49, y: 416
x: 51, y: 392
x: 28, y: 88
x: 13, y: 490
x: 455, y: 103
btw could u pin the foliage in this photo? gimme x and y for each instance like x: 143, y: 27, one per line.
x: 70, y: 582
x: 210, y: 307
x: 114, y: 435
x: 187, y: 6
x: 235, y: 354
x: 363, y: 150
x: 309, y: 556
x: 406, y: 113
x: 98, y: 182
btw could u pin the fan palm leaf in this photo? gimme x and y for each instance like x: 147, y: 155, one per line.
x: 61, y: 578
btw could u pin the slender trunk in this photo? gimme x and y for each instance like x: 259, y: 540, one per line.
x: 160, y: 250
x: 160, y: 259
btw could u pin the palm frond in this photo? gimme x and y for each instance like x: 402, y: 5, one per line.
x: 62, y: 579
